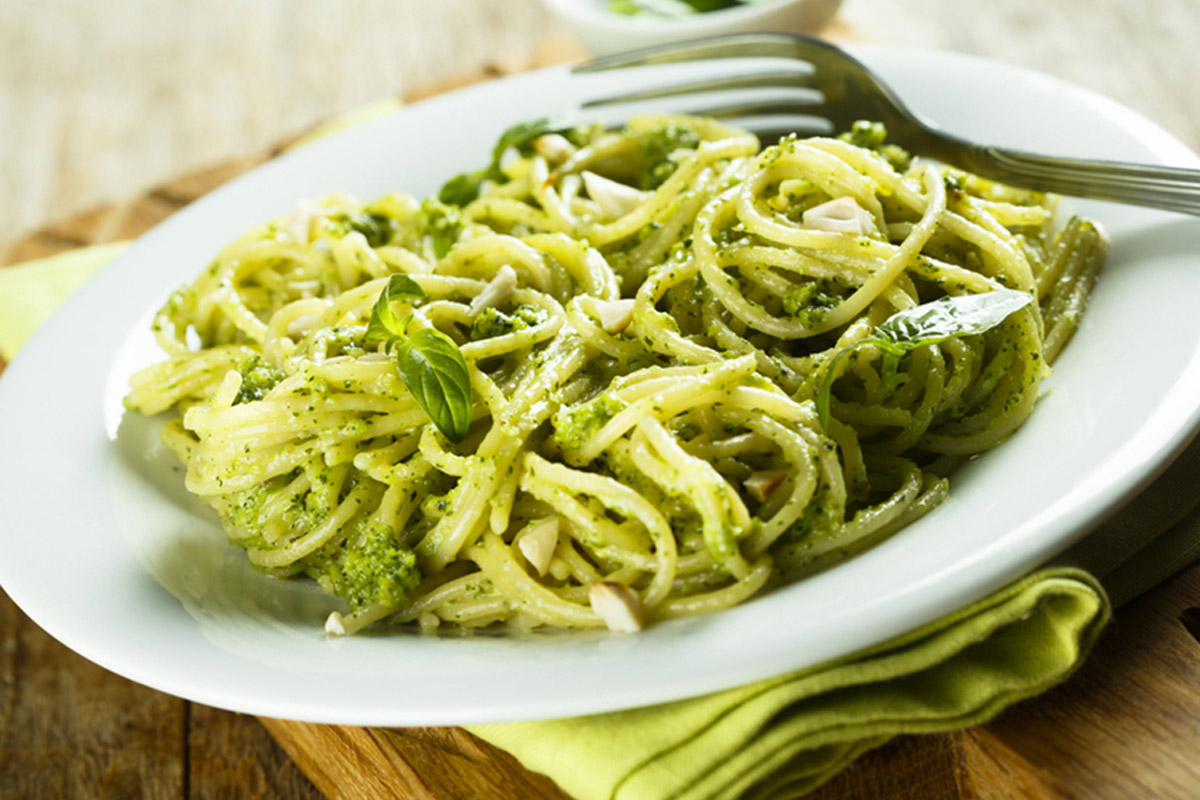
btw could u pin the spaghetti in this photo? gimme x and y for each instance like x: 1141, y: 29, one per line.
x: 676, y: 395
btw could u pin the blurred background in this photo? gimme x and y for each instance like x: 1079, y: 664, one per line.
x: 101, y: 99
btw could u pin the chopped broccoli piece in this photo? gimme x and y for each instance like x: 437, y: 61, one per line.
x: 258, y: 378
x: 574, y: 426
x: 376, y: 228
x: 375, y: 570
x: 528, y: 315
x: 657, y: 146
x: 809, y: 303
x: 242, y: 512
x: 873, y: 136
x: 493, y: 322
x: 440, y: 224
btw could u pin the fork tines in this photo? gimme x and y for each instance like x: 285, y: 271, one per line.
x: 761, y: 81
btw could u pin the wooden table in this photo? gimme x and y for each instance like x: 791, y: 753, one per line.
x: 110, y: 101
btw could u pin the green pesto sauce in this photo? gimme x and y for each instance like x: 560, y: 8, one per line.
x: 574, y: 426
x: 258, y: 378
x: 492, y: 322
x: 809, y: 303
x: 819, y: 517
x: 377, y: 229
x: 339, y: 340
x: 440, y: 225
x: 374, y: 570
x: 873, y: 136
x: 242, y: 513
x: 657, y: 146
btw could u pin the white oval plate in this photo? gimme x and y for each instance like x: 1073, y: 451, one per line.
x: 101, y: 546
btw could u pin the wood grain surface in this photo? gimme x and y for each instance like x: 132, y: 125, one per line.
x: 1127, y: 726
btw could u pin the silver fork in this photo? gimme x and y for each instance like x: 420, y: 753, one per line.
x: 847, y: 91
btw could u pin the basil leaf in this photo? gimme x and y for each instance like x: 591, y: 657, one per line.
x: 929, y: 323
x: 385, y: 324
x: 429, y: 362
x: 435, y: 372
x: 522, y: 135
x: 948, y: 317
x: 464, y: 188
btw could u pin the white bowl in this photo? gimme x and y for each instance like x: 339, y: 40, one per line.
x: 604, y: 31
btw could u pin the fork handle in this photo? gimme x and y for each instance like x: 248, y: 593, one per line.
x: 1170, y: 188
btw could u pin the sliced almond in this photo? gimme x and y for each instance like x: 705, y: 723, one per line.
x: 840, y: 215
x: 760, y: 485
x: 553, y: 147
x: 333, y: 625
x: 617, y: 605
x: 300, y: 223
x: 569, y: 187
x: 499, y: 289
x: 302, y: 325
x: 615, y: 199
x: 537, y: 543
x: 614, y: 315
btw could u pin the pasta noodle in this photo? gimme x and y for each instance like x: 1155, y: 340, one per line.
x: 678, y: 395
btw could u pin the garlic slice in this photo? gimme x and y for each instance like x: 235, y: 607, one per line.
x: 302, y: 325
x: 615, y: 199
x: 300, y: 223
x: 499, y: 289
x: 614, y: 315
x: 840, y: 215
x: 553, y: 147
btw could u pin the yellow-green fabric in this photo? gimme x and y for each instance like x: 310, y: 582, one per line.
x: 30, y: 292
x: 782, y: 737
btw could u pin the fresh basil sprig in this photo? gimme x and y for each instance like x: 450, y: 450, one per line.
x: 429, y: 362
x: 462, y: 189
x: 928, y: 323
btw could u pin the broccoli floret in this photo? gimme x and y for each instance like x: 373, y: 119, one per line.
x: 375, y: 570
x: 657, y: 146
x: 376, y: 228
x: 575, y: 425
x: 873, y: 136
x: 493, y: 322
x: 809, y: 303
x: 489, y: 323
x: 258, y: 378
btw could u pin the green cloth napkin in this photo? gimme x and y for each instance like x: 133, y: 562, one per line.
x: 30, y: 292
x: 781, y: 737
x: 785, y: 736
